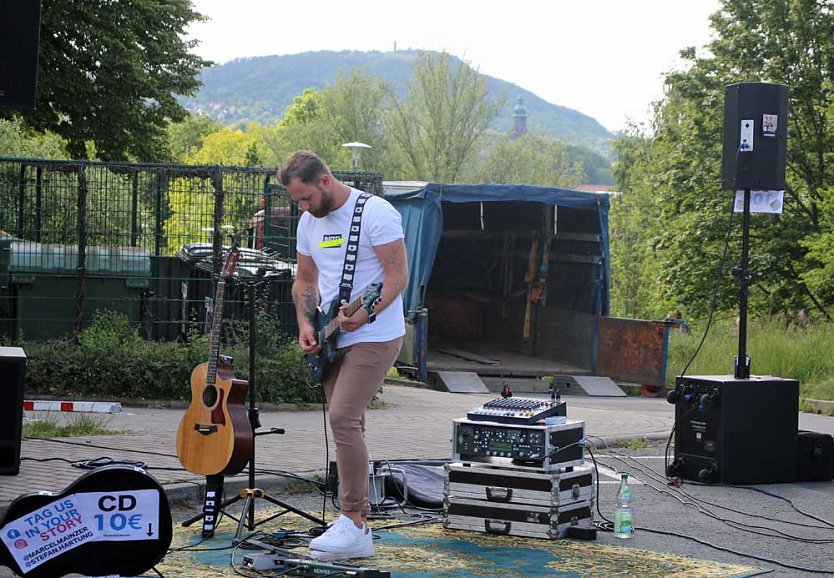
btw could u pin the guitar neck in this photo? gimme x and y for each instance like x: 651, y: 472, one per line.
x: 214, y: 342
x: 332, y: 327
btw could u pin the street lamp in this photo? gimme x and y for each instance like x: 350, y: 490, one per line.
x: 356, y: 151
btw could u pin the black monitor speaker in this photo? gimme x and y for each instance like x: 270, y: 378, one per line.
x: 20, y: 23
x: 755, y: 136
x: 12, y: 373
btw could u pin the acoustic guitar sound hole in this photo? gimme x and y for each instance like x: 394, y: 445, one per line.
x: 209, y: 395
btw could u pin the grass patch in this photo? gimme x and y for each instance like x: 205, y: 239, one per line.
x: 775, y: 348
x: 51, y: 425
x: 295, y: 488
x: 632, y: 444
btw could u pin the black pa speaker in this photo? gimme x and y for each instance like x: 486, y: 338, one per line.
x: 816, y: 457
x: 736, y: 431
x: 12, y: 372
x: 20, y: 23
x: 755, y: 136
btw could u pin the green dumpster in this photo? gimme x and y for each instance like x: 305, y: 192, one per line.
x: 50, y: 292
x: 6, y: 311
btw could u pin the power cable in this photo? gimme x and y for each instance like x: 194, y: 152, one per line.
x: 699, y: 540
x: 750, y: 528
x: 719, y: 273
x: 100, y: 447
x: 695, y: 501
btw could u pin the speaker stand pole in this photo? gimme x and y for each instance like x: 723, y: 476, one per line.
x: 742, y: 360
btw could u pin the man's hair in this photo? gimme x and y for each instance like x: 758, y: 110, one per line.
x: 305, y: 165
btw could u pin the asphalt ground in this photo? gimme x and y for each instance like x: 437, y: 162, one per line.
x: 415, y: 424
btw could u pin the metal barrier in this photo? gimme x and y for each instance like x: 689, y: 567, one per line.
x: 142, y: 239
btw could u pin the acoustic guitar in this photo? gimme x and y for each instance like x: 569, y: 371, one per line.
x: 326, y: 326
x: 215, y: 436
x: 114, y: 520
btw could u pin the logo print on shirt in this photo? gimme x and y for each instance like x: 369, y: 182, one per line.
x: 331, y: 241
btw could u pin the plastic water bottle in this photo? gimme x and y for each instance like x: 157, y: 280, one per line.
x: 622, y: 514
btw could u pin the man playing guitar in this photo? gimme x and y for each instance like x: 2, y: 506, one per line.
x: 369, y: 340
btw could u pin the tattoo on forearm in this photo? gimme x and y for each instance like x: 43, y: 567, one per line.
x: 311, y: 301
x: 306, y: 302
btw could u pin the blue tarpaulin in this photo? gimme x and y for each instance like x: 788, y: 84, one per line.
x: 421, y: 207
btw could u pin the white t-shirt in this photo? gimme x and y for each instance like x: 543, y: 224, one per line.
x: 325, y: 240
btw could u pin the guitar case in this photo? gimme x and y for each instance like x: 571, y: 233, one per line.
x: 121, y: 495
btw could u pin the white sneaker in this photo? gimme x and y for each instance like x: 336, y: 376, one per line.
x: 343, y: 540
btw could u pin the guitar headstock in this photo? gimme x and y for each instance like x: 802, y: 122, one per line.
x: 232, y: 256
x: 372, y: 295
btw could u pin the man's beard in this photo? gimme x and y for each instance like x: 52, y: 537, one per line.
x: 326, y: 204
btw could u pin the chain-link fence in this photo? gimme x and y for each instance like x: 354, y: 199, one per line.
x: 144, y: 240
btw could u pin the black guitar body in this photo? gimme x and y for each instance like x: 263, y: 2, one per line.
x: 321, y: 361
x: 326, y: 327
x: 99, y: 557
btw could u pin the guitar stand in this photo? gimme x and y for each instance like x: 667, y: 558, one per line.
x: 250, y: 493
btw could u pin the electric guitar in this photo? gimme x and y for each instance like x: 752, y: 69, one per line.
x: 215, y: 436
x: 326, y: 327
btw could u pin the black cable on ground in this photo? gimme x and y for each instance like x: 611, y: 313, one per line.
x: 92, y: 463
x: 694, y: 501
x: 610, y: 525
x: 107, y: 461
x: 86, y: 445
x: 704, y: 542
x: 737, y: 553
x: 421, y: 520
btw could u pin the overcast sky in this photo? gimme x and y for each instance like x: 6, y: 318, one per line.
x: 604, y: 58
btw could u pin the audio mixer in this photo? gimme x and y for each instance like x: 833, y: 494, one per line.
x: 518, y: 410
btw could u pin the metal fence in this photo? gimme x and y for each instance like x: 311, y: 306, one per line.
x: 144, y: 240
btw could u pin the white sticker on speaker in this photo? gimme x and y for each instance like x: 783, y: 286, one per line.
x: 761, y: 202
x: 769, y: 124
x: 745, y: 142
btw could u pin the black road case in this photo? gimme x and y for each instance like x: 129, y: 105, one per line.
x: 549, y: 522
x: 502, y: 485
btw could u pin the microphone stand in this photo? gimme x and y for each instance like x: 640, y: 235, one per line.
x: 250, y: 493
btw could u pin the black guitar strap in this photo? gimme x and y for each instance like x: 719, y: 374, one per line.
x: 346, y: 286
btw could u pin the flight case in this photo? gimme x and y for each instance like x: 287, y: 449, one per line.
x: 492, y: 484
x: 516, y: 502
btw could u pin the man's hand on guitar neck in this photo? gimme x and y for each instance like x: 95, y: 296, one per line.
x: 355, y: 321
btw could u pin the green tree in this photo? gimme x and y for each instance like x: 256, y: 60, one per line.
x: 791, y: 42
x: 781, y: 41
x: 349, y: 109
x: 17, y: 140
x: 109, y: 71
x: 532, y: 160
x: 353, y: 105
x: 232, y: 147
x: 439, y: 124
x: 186, y: 138
x: 635, y: 285
x: 304, y: 127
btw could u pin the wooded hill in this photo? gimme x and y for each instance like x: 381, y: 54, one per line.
x: 259, y: 89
